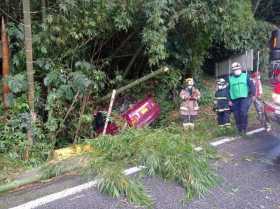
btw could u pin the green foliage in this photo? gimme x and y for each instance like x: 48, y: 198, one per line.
x: 13, y: 140
x: 268, y: 11
x: 155, y: 31
x: 163, y: 152
x: 114, y: 183
x: 8, y: 168
x: 166, y: 93
x: 238, y: 22
x: 18, y: 83
x: 207, y: 93
x: 259, y: 41
x: 207, y: 97
x: 84, y: 46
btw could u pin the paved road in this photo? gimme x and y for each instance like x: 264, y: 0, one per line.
x: 251, y: 180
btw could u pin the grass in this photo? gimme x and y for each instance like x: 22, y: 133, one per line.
x: 9, y: 168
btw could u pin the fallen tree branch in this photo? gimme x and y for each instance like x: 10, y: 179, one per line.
x: 51, y: 169
x: 134, y: 83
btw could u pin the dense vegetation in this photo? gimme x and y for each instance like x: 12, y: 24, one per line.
x: 83, y: 49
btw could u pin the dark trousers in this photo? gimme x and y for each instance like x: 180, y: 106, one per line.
x: 223, y: 117
x: 188, y: 118
x: 240, y: 108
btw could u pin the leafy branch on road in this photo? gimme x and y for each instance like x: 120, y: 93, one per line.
x: 166, y: 153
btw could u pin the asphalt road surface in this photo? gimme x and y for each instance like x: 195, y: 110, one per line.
x: 250, y: 180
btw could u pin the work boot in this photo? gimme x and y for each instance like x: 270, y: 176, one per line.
x: 191, y: 126
x: 268, y: 127
x: 185, y: 125
x: 243, y: 133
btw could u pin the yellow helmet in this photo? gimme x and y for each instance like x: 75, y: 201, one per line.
x: 189, y: 81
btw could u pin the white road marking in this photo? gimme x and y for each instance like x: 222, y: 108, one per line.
x: 77, y: 189
x: 230, y: 139
x: 56, y: 196
x: 67, y: 192
x: 222, y: 141
x: 255, y: 131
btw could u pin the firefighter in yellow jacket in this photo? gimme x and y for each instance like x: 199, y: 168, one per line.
x: 189, y: 106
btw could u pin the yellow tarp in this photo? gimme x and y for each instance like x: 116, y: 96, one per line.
x: 68, y: 152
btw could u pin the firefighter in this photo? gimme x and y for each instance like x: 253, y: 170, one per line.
x: 242, y: 93
x: 189, y: 106
x: 258, y: 103
x: 221, y: 103
x: 256, y: 78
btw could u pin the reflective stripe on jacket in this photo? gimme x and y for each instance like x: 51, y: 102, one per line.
x: 222, y: 100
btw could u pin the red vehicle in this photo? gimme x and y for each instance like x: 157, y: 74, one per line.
x: 142, y: 113
x: 272, y: 108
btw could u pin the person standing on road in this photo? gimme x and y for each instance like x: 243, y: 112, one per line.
x: 242, y: 92
x: 189, y: 106
x: 221, y: 103
x: 258, y: 103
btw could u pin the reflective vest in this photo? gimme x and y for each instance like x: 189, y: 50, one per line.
x: 238, y: 86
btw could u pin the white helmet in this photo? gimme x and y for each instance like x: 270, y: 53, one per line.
x: 221, y: 81
x: 235, y: 66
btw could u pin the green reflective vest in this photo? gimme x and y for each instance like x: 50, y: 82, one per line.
x: 238, y: 86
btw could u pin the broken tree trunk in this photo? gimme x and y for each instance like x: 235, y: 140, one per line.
x: 49, y: 170
x: 134, y: 83
x: 5, y: 64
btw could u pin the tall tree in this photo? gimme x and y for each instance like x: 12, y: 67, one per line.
x: 5, y: 63
x: 30, y: 73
